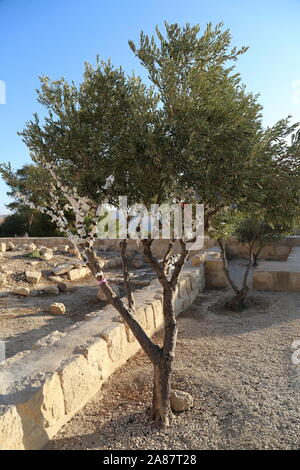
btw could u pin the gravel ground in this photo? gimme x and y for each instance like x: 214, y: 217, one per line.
x: 236, y: 365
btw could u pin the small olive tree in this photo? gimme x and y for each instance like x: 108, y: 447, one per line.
x: 272, y: 208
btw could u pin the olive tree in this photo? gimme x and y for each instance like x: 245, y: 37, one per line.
x: 192, y: 135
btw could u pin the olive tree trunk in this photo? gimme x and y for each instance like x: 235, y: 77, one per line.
x: 238, y: 300
x: 161, y: 357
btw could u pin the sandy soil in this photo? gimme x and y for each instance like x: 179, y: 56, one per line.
x: 236, y: 365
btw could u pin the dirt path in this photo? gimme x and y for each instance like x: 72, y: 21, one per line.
x: 238, y: 368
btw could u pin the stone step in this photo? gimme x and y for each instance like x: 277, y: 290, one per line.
x: 279, y: 275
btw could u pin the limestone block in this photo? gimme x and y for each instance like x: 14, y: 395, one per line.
x: 23, y: 291
x: 78, y: 273
x: 79, y: 382
x: 31, y: 247
x: 158, y: 317
x: 198, y: 259
x: 182, y: 291
x: 2, y: 279
x: 216, y: 280
x: 295, y: 282
x: 213, y: 265
x: 41, y: 406
x: 282, y: 252
x: 33, y: 276
x: 150, y: 318
x: 11, y: 430
x: 262, y: 280
x: 115, y: 336
x: 3, y: 247
x: 95, y: 350
x: 47, y: 256
x: 282, y: 280
x: 61, y: 269
x: 56, y: 279
x: 49, y: 339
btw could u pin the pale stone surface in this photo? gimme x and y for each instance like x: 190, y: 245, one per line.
x: 49, y: 339
x: 79, y: 382
x: 262, y: 280
x: 23, y: 291
x: 78, y: 273
x: 47, y: 256
x: 115, y: 336
x: 33, y: 276
x: 198, y: 259
x: 61, y: 269
x: 2, y: 279
x: 3, y: 247
x: 95, y: 351
x: 55, y: 279
x: 57, y: 308
x: 31, y: 247
x: 11, y: 430
x: 181, y: 401
x: 10, y: 246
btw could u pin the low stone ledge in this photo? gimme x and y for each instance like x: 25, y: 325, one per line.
x: 42, y: 390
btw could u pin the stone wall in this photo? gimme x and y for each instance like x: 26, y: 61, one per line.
x: 159, y: 246
x: 277, y: 251
x: 41, y: 389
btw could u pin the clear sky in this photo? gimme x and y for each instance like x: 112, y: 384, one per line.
x: 55, y: 37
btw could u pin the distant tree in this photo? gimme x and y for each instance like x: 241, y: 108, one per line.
x: 272, y: 210
x: 256, y: 234
x: 29, y: 181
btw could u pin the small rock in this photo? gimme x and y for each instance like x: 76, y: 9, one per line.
x: 2, y: 279
x: 62, y: 269
x: 3, y: 247
x: 24, y: 291
x: 33, y: 276
x: 31, y: 247
x: 51, y: 290
x: 78, y: 273
x: 10, y: 246
x: 181, y: 401
x: 57, y: 308
x: 47, y: 256
x: 55, y: 279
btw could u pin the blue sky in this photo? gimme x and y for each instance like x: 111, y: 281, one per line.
x: 55, y: 37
